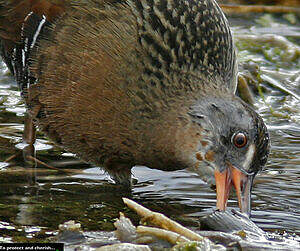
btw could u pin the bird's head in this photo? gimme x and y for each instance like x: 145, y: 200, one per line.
x: 234, y: 146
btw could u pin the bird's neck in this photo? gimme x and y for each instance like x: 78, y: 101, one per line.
x: 171, y: 139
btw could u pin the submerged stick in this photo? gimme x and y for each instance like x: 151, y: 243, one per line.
x: 47, y: 166
x: 275, y: 40
x: 278, y: 86
x: 162, y: 221
x: 10, y: 158
x: 244, y: 90
x: 292, y: 51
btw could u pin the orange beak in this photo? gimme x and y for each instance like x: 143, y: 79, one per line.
x: 242, y: 183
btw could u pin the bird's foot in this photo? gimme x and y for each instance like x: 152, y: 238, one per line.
x: 122, y: 178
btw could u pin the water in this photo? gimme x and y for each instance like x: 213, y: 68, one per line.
x: 33, y: 201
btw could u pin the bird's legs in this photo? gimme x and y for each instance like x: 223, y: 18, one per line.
x: 29, y: 136
x: 121, y: 174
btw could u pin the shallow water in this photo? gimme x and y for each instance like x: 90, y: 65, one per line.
x: 33, y: 201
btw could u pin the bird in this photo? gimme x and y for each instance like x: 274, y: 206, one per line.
x: 125, y: 83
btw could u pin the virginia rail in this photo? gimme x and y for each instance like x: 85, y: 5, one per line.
x: 137, y: 82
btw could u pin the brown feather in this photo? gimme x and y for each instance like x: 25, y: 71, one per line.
x: 114, y: 80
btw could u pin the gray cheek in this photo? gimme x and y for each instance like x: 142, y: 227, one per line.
x: 205, y: 171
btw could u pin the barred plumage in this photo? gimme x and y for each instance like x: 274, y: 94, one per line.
x: 186, y: 36
x: 136, y: 82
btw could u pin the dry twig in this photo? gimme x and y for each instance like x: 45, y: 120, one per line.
x: 162, y: 221
x: 167, y: 235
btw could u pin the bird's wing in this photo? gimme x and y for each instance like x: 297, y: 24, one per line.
x: 189, y: 37
x: 182, y: 36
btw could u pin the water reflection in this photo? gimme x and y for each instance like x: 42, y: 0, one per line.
x: 33, y: 201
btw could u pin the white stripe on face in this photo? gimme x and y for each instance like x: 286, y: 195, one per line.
x: 249, y: 157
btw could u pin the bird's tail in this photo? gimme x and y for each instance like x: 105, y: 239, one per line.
x: 13, y: 14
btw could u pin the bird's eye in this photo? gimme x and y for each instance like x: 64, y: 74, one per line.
x: 239, y: 139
